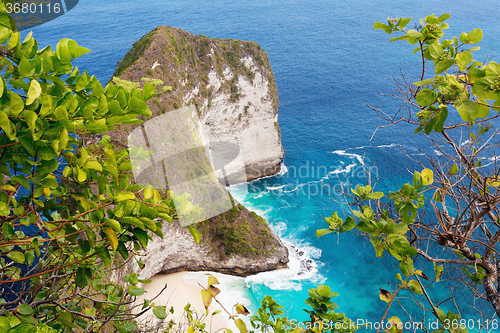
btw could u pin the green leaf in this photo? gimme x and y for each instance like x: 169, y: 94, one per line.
x: 141, y: 236
x: 95, y: 165
x: 5, y: 125
x: 82, y: 176
x: 475, y: 36
x: 16, y: 256
x: 113, y: 224
x: 14, y: 40
x: 133, y: 221
x: 375, y: 195
x: 21, y: 180
x: 134, y: 291
x: 463, y: 59
x: 439, y: 271
x: 4, y: 324
x: 443, y: 66
x: 323, y: 290
x: 61, y: 113
x: 34, y: 91
x: 112, y: 237
x: 415, y: 286
x: 241, y: 309
x: 125, y: 196
x: 385, y: 27
x: 195, y: 233
x: 91, y: 237
x: 83, y: 277
x: 4, y: 209
x: 30, y: 117
x: 46, y: 105
x: 470, y: 110
x: 7, y: 229
x: 16, y: 104
x: 148, y: 90
x: 378, y: 245
x: 25, y: 309
x: 436, y: 51
x: 2, y: 86
x: 159, y: 312
x: 406, y: 267
x: 423, y: 83
x: 98, y: 126
x: 426, y: 97
x: 103, y: 253
x: 24, y: 67
x: 349, y: 224
x: 133, y: 279
x: 482, y: 109
x: 240, y: 324
x: 63, y: 52
x: 453, y: 169
x: 75, y: 50
x: 322, y: 232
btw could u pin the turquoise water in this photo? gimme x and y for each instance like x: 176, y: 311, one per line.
x: 329, y: 64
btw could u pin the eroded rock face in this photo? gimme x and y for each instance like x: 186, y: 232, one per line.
x: 231, y: 84
x: 178, y: 251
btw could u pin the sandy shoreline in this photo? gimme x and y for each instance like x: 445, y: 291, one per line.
x: 182, y: 289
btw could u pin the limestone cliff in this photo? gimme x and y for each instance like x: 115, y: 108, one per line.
x: 230, y: 82
x: 231, y: 85
x: 237, y: 242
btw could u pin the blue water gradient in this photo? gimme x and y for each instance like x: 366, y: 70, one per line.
x: 329, y: 64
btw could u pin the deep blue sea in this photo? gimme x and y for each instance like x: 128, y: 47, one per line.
x: 329, y: 65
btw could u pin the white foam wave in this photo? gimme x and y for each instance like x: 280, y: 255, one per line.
x: 260, y: 195
x: 275, y: 188
x: 464, y: 143
x: 343, y: 153
x: 279, y: 228
x: 301, y: 267
x: 437, y: 152
x: 283, y: 170
x: 494, y: 158
x: 299, y: 186
x: 388, y: 146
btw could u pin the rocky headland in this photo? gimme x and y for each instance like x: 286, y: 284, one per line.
x: 231, y: 85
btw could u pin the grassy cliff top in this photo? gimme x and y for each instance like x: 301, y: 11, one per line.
x: 183, y: 61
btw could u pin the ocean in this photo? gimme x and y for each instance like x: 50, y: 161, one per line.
x: 329, y: 64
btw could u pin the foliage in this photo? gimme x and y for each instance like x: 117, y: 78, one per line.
x: 270, y: 316
x: 69, y: 212
x: 461, y: 185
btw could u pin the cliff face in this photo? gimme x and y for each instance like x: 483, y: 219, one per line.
x: 231, y: 84
x: 237, y: 243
